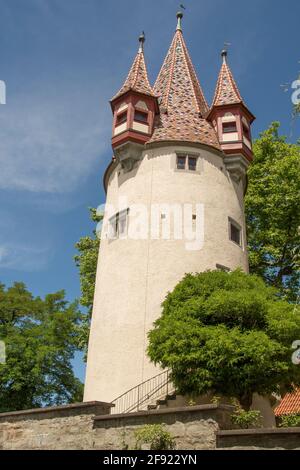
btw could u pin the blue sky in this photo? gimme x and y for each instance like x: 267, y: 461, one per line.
x: 62, y: 60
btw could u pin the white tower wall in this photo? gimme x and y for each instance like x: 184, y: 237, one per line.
x: 134, y: 276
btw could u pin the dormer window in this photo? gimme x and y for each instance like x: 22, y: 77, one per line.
x: 121, y: 118
x: 229, y: 127
x: 140, y: 116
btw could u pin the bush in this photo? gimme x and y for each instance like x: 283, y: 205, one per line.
x: 227, y: 334
x: 290, y: 421
x: 155, y: 435
x: 247, y: 419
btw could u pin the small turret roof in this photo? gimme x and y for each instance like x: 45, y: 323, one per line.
x: 227, y: 91
x: 137, y: 78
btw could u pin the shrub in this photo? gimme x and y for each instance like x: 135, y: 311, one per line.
x: 156, y: 435
x: 290, y: 421
x: 246, y: 419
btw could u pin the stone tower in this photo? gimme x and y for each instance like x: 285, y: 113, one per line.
x: 175, y: 190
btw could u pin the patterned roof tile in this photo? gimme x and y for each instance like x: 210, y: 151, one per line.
x: 290, y: 404
x: 137, y: 79
x: 183, y: 106
x: 227, y: 91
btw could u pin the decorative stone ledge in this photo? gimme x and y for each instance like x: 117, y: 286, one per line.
x: 62, y: 411
x: 284, y: 438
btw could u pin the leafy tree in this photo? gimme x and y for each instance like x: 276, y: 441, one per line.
x: 86, y: 261
x: 227, y: 333
x: 40, y: 338
x: 273, y: 212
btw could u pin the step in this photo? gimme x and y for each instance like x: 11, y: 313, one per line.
x: 151, y: 407
x: 171, y: 397
x: 162, y: 402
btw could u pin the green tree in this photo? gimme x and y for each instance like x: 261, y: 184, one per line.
x: 40, y: 337
x: 227, y: 333
x: 86, y: 261
x: 273, y: 212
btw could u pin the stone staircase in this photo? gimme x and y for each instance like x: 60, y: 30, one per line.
x: 167, y: 402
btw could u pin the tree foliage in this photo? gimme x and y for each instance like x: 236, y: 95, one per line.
x: 86, y: 261
x: 40, y: 337
x: 273, y: 212
x: 227, y: 333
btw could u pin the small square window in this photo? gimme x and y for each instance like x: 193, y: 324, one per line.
x: 181, y: 162
x: 140, y: 116
x: 235, y: 233
x: 192, y: 163
x: 121, y: 118
x: 229, y: 127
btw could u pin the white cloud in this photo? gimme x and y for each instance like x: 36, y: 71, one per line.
x: 23, y: 258
x: 50, y: 143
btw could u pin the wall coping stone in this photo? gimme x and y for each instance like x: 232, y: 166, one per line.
x: 163, y: 412
x: 261, y: 438
x: 61, y: 411
x: 258, y: 431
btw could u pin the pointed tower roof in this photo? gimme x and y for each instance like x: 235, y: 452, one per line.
x: 227, y: 91
x: 137, y: 79
x: 183, y: 106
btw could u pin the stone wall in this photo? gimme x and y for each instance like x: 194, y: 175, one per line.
x: 280, y: 438
x: 61, y: 427
x: 194, y: 427
x: 89, y: 426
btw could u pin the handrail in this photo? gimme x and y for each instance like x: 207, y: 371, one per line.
x: 143, y: 393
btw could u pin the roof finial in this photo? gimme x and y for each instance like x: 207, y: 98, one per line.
x: 179, y: 16
x: 141, y: 41
x: 224, y: 54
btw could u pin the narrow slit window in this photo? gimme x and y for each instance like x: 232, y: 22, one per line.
x: 246, y: 132
x: 235, y: 233
x: 118, y: 224
x: 122, y: 225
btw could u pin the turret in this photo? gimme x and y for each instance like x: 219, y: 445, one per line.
x: 134, y: 108
x: 232, y: 121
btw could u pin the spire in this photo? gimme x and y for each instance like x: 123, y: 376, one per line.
x: 137, y: 79
x: 227, y: 91
x: 182, y: 103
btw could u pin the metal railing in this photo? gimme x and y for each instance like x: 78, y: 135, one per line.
x: 144, y: 394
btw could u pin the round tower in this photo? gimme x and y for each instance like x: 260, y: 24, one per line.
x: 175, y: 190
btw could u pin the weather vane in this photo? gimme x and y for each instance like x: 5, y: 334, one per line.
x: 182, y: 6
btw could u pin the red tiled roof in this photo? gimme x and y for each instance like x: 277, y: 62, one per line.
x: 290, y: 404
x: 183, y: 106
x: 227, y: 91
x: 137, y: 79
